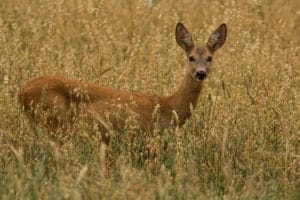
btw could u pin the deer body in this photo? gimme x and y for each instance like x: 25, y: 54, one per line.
x: 108, y: 106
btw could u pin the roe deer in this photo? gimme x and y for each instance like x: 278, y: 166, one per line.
x: 101, y: 104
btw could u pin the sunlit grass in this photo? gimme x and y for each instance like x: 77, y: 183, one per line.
x: 242, y: 142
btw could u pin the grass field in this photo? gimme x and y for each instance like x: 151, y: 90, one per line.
x: 242, y: 142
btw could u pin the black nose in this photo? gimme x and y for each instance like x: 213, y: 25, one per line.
x: 200, y: 75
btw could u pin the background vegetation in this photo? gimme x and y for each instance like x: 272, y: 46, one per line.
x: 243, y: 141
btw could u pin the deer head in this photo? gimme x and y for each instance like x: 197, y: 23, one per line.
x: 200, y: 57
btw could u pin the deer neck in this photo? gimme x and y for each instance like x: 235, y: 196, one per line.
x: 186, y: 96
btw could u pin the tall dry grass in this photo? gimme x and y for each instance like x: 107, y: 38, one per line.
x: 243, y: 141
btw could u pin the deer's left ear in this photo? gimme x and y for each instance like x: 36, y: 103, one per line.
x: 217, y: 38
x: 183, y: 37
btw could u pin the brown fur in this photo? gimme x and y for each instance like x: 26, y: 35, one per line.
x: 109, y: 107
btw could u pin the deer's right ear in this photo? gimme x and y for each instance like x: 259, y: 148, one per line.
x: 183, y: 37
x: 217, y: 38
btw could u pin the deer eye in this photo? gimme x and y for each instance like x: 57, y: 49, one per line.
x: 209, y: 59
x: 191, y: 59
